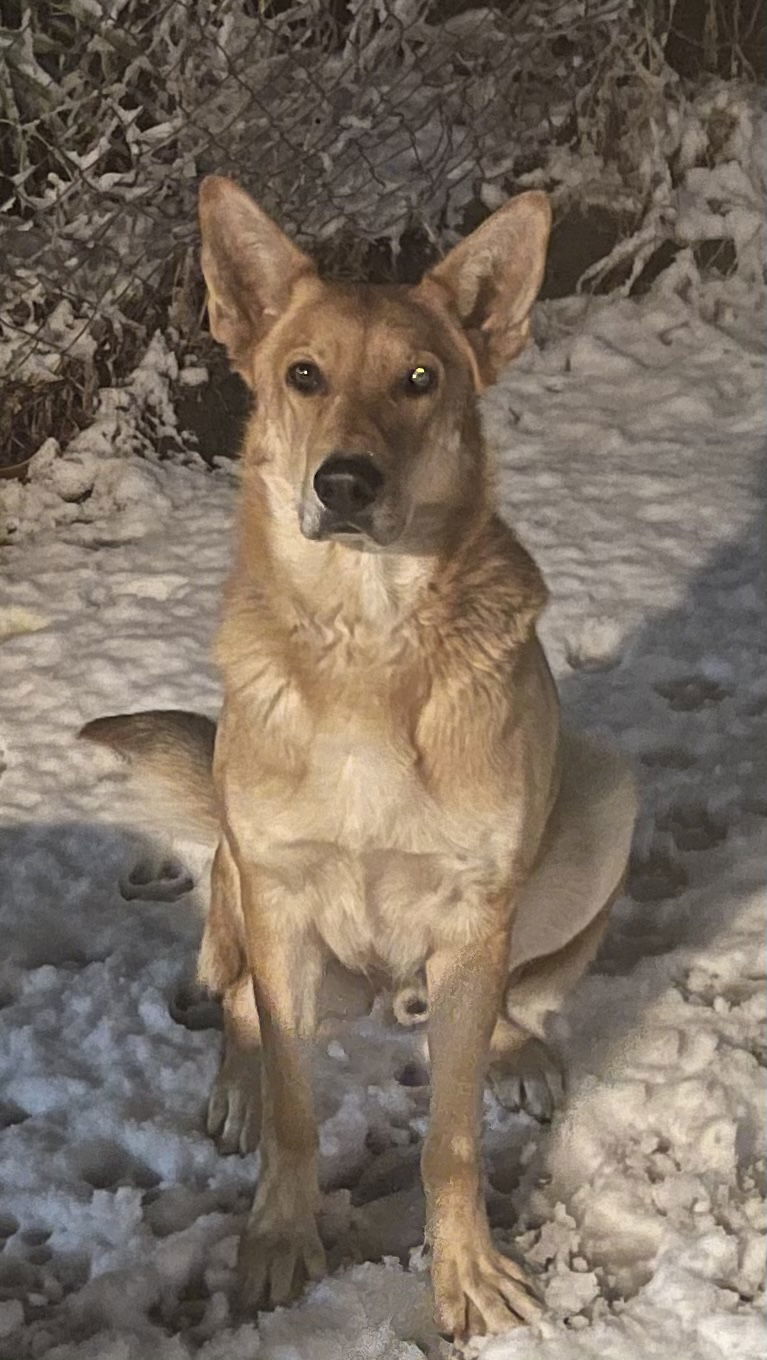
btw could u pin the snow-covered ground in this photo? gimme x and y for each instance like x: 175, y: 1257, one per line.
x: 632, y: 449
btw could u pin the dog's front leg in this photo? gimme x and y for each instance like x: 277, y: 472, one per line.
x: 477, y: 1290
x: 280, y: 1248
x: 234, y: 1107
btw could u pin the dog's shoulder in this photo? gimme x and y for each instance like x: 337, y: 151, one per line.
x: 492, y: 716
x: 488, y: 598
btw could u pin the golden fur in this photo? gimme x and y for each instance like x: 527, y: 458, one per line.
x: 390, y: 786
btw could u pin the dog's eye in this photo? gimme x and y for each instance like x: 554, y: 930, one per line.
x: 420, y: 380
x: 305, y: 377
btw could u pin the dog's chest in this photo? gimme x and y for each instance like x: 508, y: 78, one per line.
x: 340, y: 806
x: 364, y: 850
x: 371, y: 796
x: 360, y: 788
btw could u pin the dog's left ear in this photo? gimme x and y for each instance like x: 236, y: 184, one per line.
x: 492, y: 280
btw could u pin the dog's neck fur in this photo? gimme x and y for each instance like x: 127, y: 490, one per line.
x: 477, y: 587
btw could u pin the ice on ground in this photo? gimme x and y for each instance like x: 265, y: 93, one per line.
x: 631, y: 445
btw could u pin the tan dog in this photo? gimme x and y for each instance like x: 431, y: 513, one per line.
x: 390, y: 785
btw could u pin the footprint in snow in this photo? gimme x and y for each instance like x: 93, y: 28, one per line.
x: 668, y: 758
x: 755, y: 806
x: 655, y: 876
x: 688, y: 693
x: 414, y: 1074
x: 11, y: 1114
x: 36, y: 1249
x: 692, y: 826
x: 106, y: 1165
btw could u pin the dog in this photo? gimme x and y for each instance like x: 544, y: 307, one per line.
x: 388, y: 785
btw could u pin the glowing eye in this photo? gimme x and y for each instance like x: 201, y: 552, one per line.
x: 305, y: 377
x: 420, y: 380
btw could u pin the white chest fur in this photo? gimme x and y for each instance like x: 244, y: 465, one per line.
x: 359, y: 848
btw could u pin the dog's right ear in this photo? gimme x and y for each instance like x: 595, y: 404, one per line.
x: 250, y: 267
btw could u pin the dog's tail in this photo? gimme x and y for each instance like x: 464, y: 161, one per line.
x: 170, y: 760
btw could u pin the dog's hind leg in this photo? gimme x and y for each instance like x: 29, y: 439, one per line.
x: 525, y: 1073
x: 561, y: 917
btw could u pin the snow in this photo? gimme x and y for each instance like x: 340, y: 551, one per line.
x: 631, y: 446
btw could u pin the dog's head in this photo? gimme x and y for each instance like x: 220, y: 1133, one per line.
x: 366, y: 411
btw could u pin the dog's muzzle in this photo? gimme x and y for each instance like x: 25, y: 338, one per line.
x: 347, y: 487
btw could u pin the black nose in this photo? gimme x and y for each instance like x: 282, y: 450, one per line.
x: 347, y: 483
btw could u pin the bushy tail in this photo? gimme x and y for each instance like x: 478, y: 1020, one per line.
x: 170, y: 758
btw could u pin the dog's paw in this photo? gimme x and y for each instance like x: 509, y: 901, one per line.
x: 529, y: 1079
x: 480, y: 1292
x: 278, y: 1257
x: 156, y: 879
x: 193, y: 1007
x: 234, y: 1107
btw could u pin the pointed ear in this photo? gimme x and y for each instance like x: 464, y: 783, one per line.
x: 492, y: 280
x: 250, y: 267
